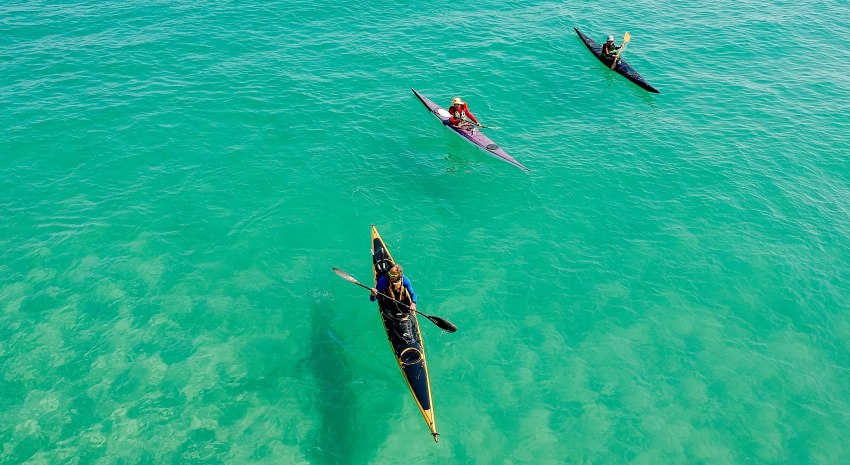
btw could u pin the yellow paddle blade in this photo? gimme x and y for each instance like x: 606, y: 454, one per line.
x: 627, y: 37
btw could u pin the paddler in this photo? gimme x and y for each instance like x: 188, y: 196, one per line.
x: 460, y: 114
x: 609, y: 49
x: 397, y: 286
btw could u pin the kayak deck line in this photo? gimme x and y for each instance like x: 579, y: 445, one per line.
x: 470, y: 133
x: 622, y: 68
x: 405, y: 339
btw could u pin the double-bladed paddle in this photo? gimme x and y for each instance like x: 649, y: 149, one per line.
x: 443, y: 324
x: 480, y: 125
x: 626, y: 38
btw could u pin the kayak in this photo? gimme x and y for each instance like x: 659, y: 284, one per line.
x: 471, y: 133
x: 622, y: 67
x: 405, y: 339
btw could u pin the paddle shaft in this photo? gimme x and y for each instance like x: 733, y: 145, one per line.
x: 436, y: 320
x: 617, y: 58
x: 388, y: 297
x: 626, y: 39
x: 441, y: 322
x: 479, y: 124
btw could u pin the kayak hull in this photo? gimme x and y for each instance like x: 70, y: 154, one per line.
x: 471, y: 134
x: 405, y: 339
x: 623, y: 68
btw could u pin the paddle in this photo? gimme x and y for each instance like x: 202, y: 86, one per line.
x: 443, y: 324
x: 626, y: 39
x: 481, y: 125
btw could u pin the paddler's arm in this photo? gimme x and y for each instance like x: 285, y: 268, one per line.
x: 472, y: 117
x: 381, y: 285
x: 409, y: 287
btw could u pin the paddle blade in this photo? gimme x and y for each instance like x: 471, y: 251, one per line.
x: 627, y: 37
x: 445, y: 325
x: 344, y: 275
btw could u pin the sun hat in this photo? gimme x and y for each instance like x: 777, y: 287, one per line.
x: 610, y: 38
x: 456, y: 101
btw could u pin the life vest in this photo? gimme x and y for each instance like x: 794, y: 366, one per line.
x: 401, y: 293
x: 458, y: 112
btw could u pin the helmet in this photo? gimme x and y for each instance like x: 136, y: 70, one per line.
x: 610, y: 38
x: 457, y: 101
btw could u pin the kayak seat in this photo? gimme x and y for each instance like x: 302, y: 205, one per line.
x: 410, y: 356
x: 383, y: 266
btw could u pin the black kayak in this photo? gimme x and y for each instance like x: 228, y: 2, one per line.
x: 622, y: 67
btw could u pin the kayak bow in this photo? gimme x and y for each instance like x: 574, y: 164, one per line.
x: 405, y: 338
x: 622, y: 67
x: 470, y: 134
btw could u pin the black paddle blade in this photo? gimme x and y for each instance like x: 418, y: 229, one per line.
x: 445, y: 325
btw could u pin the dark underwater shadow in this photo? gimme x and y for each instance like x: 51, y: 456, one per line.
x: 338, y: 438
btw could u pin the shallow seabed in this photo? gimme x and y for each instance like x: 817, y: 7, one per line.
x: 669, y: 285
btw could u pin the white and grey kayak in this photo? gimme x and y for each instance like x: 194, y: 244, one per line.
x: 470, y: 133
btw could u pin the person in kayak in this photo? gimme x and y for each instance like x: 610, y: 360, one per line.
x: 397, y: 286
x: 609, y: 49
x: 460, y: 114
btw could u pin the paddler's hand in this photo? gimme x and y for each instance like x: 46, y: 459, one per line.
x: 374, y: 292
x: 413, y: 307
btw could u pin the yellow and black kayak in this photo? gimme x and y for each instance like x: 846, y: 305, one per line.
x: 405, y: 338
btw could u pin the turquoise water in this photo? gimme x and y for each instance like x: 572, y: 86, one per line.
x: 668, y: 285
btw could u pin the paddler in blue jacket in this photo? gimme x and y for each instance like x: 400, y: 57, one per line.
x: 609, y: 49
x: 397, y: 286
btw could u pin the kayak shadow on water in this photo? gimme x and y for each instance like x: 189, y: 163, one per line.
x: 461, y: 157
x: 456, y: 163
x: 649, y: 99
x: 616, y: 83
x: 338, y: 437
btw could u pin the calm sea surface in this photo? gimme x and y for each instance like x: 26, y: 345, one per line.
x: 669, y: 285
